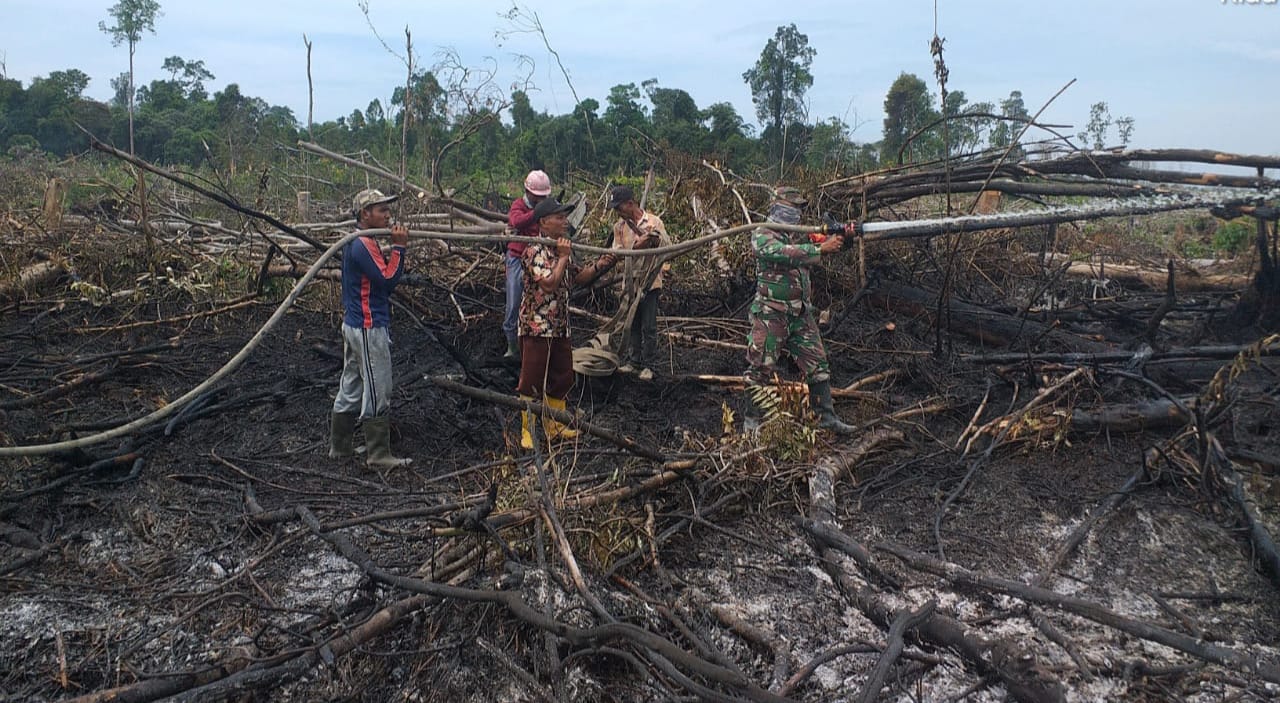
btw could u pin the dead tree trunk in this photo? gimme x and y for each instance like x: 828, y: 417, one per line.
x: 986, y: 326
x: 1260, y: 303
x: 55, y: 193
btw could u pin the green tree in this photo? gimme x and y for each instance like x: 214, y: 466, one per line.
x: 427, y: 112
x: 676, y: 118
x: 830, y: 146
x: 725, y: 122
x: 188, y: 75
x: 623, y: 112
x: 51, y: 108
x: 1124, y: 127
x: 908, y: 107
x: 780, y: 78
x: 132, y: 18
x: 624, y: 109
x: 160, y: 95
x: 729, y: 136
x: 239, y: 120
x: 69, y: 84
x: 523, y: 116
x: 12, y: 109
x: 978, y: 126
x: 1094, y: 135
x: 1007, y: 130
x: 961, y: 131
x: 120, y: 91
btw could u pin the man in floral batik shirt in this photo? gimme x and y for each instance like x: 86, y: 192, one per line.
x: 546, y: 354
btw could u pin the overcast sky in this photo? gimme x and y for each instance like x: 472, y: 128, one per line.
x: 1192, y: 73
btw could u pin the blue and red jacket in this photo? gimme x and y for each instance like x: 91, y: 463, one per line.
x: 367, y: 281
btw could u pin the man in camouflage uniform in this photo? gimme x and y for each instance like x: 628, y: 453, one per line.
x: 782, y: 317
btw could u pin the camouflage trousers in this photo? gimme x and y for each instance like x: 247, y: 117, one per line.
x: 778, y: 326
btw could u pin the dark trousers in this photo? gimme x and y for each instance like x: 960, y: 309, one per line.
x: 644, y: 330
x: 546, y: 367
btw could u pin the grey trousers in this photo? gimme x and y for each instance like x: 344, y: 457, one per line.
x: 515, y: 291
x: 644, y: 330
x: 366, y: 372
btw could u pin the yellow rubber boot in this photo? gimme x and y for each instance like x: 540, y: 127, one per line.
x: 526, y: 426
x: 554, y: 428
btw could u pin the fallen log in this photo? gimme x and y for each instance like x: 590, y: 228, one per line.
x: 298, y: 271
x: 1106, y: 165
x: 541, y: 410
x: 885, y: 231
x: 1123, y: 357
x: 30, y: 278
x: 959, y: 576
x: 1078, y: 535
x: 738, y: 383
x: 1270, y: 461
x: 1024, y: 683
x: 1264, y: 544
x: 216, y: 197
x: 84, y: 379
x: 904, y: 623
x: 981, y: 324
x: 164, y: 686
x: 1204, y: 156
x: 466, y: 211
x: 830, y: 469
x: 1023, y: 680
x: 1012, y: 187
x: 1192, y: 281
x: 516, y: 606
x: 1150, y: 415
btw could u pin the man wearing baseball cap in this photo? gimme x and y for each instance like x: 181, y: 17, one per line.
x: 637, y: 229
x: 537, y: 186
x: 368, y: 277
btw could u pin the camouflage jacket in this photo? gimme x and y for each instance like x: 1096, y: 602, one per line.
x: 782, y: 262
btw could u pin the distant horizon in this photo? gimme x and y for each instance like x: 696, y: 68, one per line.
x: 1192, y: 73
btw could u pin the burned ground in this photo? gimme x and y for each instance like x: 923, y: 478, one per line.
x: 185, y: 566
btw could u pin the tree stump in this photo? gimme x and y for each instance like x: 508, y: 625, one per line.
x: 55, y: 194
x: 304, y: 206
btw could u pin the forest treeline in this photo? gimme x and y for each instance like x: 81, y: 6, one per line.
x: 473, y: 134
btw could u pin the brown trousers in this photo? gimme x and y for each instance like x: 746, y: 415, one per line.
x: 546, y: 367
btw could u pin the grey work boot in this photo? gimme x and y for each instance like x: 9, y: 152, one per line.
x: 342, y: 427
x: 513, y: 351
x: 377, y: 438
x: 820, y: 400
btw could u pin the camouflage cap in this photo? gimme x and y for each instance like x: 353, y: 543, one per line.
x: 785, y: 213
x: 370, y: 196
x: 790, y: 194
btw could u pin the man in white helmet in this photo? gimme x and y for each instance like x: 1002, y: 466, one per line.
x: 537, y: 186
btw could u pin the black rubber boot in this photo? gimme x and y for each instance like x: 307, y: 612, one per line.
x: 377, y: 438
x: 342, y: 428
x: 820, y: 400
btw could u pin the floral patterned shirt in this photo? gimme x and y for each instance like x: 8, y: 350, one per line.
x: 543, y: 314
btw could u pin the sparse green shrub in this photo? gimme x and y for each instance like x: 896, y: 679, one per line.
x: 1195, y: 249
x: 1233, y: 237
